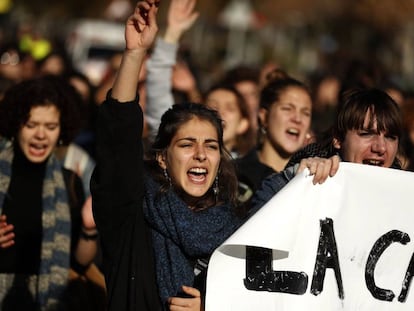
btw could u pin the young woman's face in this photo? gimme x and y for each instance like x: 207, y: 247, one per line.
x: 193, y: 157
x: 288, y: 121
x: 234, y: 124
x: 39, y: 135
x: 366, y: 146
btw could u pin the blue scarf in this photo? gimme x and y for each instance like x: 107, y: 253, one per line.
x: 181, y: 236
x: 48, y: 285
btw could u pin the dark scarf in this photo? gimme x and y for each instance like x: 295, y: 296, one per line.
x: 180, y: 236
x: 48, y: 285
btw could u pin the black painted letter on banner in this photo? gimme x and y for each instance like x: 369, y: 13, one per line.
x: 407, y: 281
x: 326, y: 257
x: 261, y: 277
x: 379, y: 247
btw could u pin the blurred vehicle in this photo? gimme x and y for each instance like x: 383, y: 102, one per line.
x: 91, y: 43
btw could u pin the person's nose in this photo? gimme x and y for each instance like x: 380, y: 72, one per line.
x: 40, y: 132
x: 200, y: 153
x: 379, y: 145
x: 297, y: 116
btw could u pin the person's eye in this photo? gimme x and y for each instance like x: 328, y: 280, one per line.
x: 306, y: 113
x: 30, y: 125
x: 213, y: 146
x: 391, y: 137
x: 52, y: 127
x: 364, y: 133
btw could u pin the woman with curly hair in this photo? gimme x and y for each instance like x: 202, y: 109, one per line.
x: 43, y: 229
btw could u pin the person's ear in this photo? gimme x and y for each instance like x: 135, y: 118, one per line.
x: 336, y: 143
x: 263, y: 117
x: 243, y: 126
x: 161, y: 160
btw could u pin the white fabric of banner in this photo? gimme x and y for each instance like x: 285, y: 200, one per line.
x: 367, y: 206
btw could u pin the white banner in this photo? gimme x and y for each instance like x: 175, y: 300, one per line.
x: 342, y: 245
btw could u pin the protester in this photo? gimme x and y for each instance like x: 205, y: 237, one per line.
x: 285, y: 119
x: 238, y: 135
x: 246, y: 80
x: 44, y: 229
x: 186, y: 189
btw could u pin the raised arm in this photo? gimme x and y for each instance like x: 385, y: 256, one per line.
x: 180, y: 17
x: 140, y: 31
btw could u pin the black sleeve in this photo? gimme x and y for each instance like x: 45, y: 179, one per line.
x: 271, y: 186
x: 117, y: 198
x: 76, y: 197
x: 116, y: 185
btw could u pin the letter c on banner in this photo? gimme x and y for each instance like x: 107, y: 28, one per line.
x: 379, y: 247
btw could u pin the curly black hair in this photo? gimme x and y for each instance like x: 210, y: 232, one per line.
x: 20, y: 98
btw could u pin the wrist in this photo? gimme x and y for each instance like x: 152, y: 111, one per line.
x: 135, y: 52
x: 172, y: 36
x: 89, y: 233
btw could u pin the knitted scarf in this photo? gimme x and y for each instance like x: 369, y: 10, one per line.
x: 47, y: 286
x: 180, y: 236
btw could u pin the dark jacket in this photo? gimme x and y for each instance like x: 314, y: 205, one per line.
x: 117, y: 191
x: 250, y: 171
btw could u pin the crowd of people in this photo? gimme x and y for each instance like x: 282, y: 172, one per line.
x: 113, y: 197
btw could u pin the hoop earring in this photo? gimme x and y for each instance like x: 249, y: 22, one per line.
x: 167, y: 177
x: 216, y: 188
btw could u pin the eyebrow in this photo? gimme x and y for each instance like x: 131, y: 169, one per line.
x: 192, y: 139
x: 375, y: 130
x: 37, y: 122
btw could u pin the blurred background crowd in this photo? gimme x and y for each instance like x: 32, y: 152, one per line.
x: 303, y: 37
x: 329, y: 45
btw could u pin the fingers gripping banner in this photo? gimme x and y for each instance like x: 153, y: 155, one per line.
x: 343, y: 245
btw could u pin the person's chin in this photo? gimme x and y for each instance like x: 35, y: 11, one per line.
x: 37, y: 158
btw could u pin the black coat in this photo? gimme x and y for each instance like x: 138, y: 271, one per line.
x: 117, y: 194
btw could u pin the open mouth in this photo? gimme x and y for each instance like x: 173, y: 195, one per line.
x: 197, y: 174
x: 293, y: 131
x: 373, y: 162
x: 37, y: 149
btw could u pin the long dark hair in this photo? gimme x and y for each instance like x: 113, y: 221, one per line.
x: 171, y: 121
